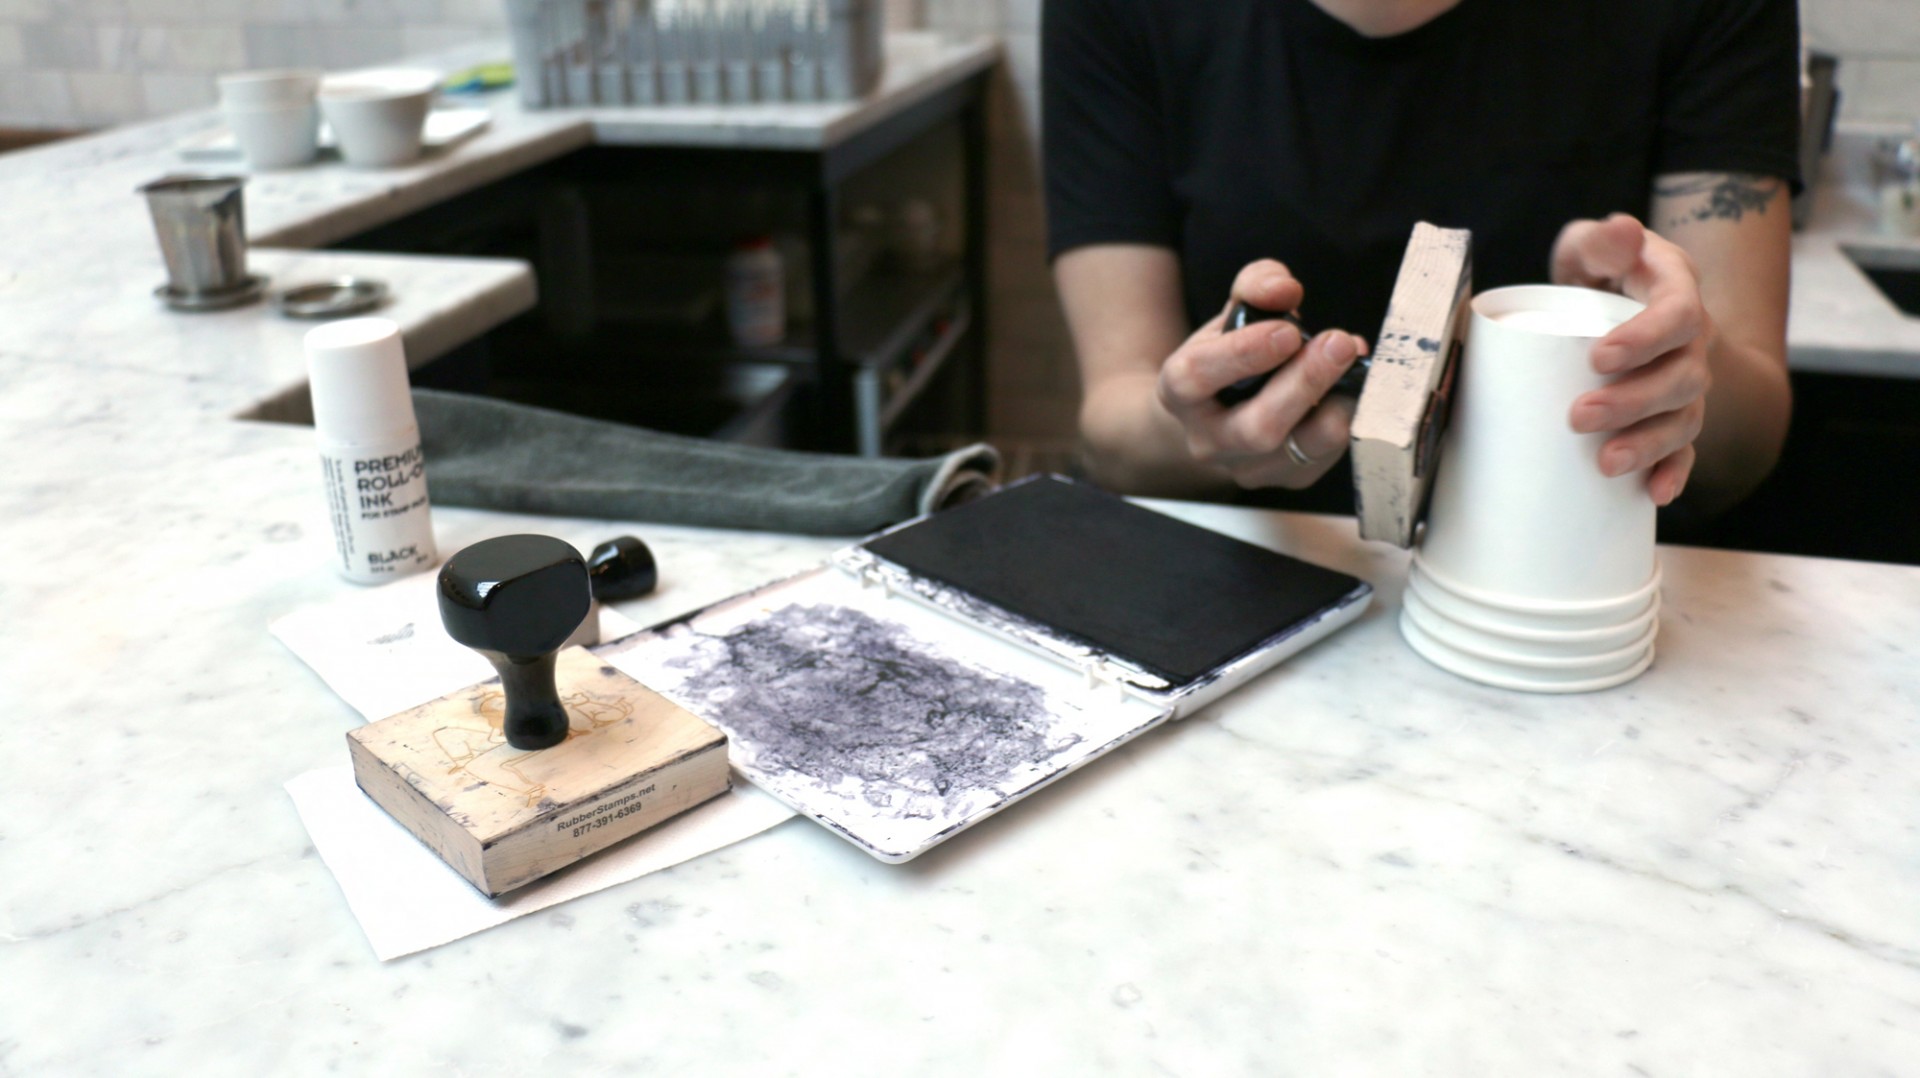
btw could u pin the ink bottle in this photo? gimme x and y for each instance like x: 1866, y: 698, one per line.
x: 374, y: 474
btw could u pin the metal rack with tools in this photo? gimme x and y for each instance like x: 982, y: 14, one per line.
x: 687, y: 52
x: 629, y: 240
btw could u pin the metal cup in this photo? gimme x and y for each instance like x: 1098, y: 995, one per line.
x: 202, y: 230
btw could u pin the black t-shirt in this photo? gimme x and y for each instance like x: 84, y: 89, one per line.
x: 1234, y: 130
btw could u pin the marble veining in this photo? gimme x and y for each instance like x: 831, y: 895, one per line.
x: 1357, y: 864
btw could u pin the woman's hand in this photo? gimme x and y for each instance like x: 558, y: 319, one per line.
x: 1286, y: 435
x: 1656, y: 405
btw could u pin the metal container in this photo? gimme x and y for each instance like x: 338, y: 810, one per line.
x: 202, y: 231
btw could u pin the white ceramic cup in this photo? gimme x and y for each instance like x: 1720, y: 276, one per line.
x: 275, y: 136
x: 1531, y: 556
x: 378, y: 117
x: 268, y: 88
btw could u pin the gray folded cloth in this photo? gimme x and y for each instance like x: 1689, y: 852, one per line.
x: 494, y: 454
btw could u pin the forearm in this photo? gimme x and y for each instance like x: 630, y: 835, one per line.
x: 1123, y: 306
x: 1748, y: 409
x: 1151, y: 415
x: 1736, y: 229
x: 1132, y: 444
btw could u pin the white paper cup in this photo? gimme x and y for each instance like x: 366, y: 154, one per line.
x: 276, y: 136
x: 1571, y: 648
x: 1521, y: 678
x: 1530, y: 554
x: 1513, y: 615
x: 1525, y: 633
x: 267, y: 88
x: 378, y: 117
x: 1560, y: 667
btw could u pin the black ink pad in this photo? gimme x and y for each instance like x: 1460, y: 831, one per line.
x: 1177, y: 599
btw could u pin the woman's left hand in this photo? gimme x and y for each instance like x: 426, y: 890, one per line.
x: 1656, y: 405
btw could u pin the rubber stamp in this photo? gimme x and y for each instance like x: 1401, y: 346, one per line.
x: 1404, y: 389
x: 558, y: 757
x: 1406, y: 399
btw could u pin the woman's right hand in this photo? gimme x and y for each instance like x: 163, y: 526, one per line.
x: 1290, y: 433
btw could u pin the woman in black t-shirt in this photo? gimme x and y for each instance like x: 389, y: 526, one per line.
x: 1190, y: 146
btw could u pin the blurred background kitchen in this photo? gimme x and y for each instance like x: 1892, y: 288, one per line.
x: 74, y: 65
x: 77, y: 64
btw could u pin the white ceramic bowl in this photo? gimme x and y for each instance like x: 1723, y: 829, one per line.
x: 268, y: 88
x: 378, y: 116
x: 385, y: 82
x: 275, y: 136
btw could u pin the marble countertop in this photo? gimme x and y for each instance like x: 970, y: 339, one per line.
x: 1357, y: 865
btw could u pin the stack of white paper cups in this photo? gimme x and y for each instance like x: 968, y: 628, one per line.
x: 1536, y: 572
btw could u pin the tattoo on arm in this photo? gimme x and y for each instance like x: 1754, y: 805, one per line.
x: 1715, y: 196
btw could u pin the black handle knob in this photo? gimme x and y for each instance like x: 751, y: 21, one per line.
x: 1244, y: 314
x: 622, y: 568
x: 515, y: 600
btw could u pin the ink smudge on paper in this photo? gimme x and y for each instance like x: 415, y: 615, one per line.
x: 405, y: 632
x: 857, y: 704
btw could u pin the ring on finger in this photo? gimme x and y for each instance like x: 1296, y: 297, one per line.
x: 1296, y: 454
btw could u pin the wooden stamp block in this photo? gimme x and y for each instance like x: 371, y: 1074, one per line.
x: 1403, y: 409
x: 503, y: 817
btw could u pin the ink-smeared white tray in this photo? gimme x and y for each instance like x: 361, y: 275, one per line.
x: 896, y: 696
x: 894, y: 726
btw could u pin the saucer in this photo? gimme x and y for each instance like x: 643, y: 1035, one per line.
x: 336, y: 298
x: 248, y: 291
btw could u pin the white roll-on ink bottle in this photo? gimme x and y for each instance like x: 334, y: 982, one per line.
x: 375, y: 477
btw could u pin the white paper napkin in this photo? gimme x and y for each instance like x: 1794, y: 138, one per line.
x: 408, y: 900
x: 383, y: 649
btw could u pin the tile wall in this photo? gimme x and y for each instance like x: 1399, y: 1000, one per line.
x: 1878, y: 43
x: 84, y: 63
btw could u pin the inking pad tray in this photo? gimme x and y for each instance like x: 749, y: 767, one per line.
x: 1174, y: 598
x: 889, y: 723
x: 895, y: 707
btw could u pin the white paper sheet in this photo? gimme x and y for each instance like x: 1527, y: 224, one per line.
x: 383, y: 649
x: 408, y: 900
